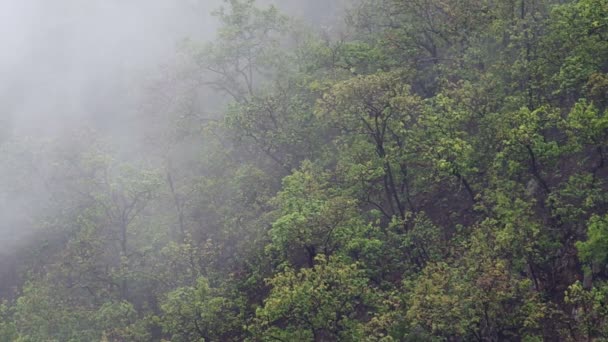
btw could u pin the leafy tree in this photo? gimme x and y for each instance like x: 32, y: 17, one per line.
x: 590, y: 311
x: 8, y: 331
x: 325, y: 302
x: 593, y: 250
x: 313, y: 218
x: 200, y: 313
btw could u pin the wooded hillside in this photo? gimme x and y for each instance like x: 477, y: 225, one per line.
x: 423, y: 170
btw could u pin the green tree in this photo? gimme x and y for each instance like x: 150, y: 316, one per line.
x: 325, y: 302
x: 200, y: 313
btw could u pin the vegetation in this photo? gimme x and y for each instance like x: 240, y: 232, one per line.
x: 436, y: 171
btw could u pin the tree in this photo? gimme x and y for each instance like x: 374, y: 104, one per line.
x: 313, y: 218
x: 325, y: 302
x: 200, y: 313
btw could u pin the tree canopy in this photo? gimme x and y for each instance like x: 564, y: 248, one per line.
x: 427, y: 170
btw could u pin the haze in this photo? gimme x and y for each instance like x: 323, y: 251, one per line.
x: 346, y: 170
x: 74, y: 66
x: 67, y: 62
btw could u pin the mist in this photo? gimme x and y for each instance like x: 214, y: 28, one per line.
x: 72, y: 62
x: 73, y: 71
x: 68, y: 66
x: 288, y: 170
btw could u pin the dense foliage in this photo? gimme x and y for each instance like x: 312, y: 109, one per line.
x: 432, y: 170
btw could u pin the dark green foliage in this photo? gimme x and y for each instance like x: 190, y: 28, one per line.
x: 437, y: 172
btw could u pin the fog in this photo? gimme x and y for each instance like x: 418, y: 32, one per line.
x: 70, y: 64
x: 73, y: 68
x: 303, y: 170
x: 68, y: 61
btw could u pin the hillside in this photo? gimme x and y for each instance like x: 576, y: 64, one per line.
x: 423, y: 170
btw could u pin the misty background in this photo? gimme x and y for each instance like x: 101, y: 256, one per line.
x: 103, y: 68
x: 70, y: 62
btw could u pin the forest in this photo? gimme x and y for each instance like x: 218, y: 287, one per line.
x: 400, y: 170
